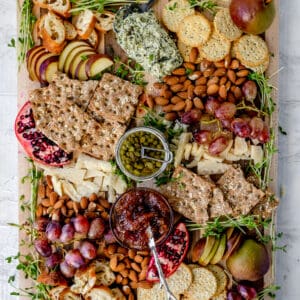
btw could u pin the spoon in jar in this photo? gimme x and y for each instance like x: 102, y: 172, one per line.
x: 161, y: 275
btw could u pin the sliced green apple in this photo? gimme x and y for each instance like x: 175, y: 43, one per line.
x: 30, y: 53
x: 220, y: 251
x: 210, y: 242
x: 63, y: 56
x: 212, y: 252
x: 232, y: 244
x: 229, y: 232
x: 81, y: 56
x: 97, y: 63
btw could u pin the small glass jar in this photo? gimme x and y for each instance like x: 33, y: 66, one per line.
x: 167, y: 157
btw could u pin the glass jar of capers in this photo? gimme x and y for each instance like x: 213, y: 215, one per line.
x: 143, y: 153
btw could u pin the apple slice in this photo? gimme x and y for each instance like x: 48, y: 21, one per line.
x: 32, y: 71
x: 39, y: 62
x: 232, y: 244
x: 220, y: 251
x: 30, y: 53
x: 210, y: 242
x: 81, y: 56
x: 96, y: 64
x: 198, y: 249
x: 63, y: 56
x: 80, y: 72
x: 72, y: 55
x: 48, y: 68
x: 212, y: 252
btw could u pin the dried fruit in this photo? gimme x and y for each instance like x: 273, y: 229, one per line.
x: 171, y: 253
x: 36, y: 145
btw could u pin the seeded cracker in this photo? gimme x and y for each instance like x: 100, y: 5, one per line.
x: 174, y: 12
x: 225, y: 26
x: 185, y: 52
x: 251, y: 50
x: 115, y: 99
x: 194, y: 30
x: 216, y: 48
x: 220, y: 276
x: 203, y: 287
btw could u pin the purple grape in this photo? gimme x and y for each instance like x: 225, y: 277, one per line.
x: 53, y: 231
x: 74, y: 259
x: 67, y: 233
x: 97, y: 229
x: 233, y: 296
x: 43, y: 247
x: 88, y: 250
x: 109, y: 237
x: 41, y: 224
x: 53, y: 260
x: 81, y: 224
x: 191, y: 117
x: 66, y: 269
x: 246, y: 292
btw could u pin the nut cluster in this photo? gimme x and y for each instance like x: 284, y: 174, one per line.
x: 60, y: 208
x: 190, y: 84
x: 130, y: 267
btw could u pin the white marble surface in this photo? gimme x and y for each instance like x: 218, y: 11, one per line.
x: 288, y: 265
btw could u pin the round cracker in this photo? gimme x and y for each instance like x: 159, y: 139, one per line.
x: 225, y: 26
x: 204, y: 285
x: 185, y: 51
x: 194, y: 30
x: 216, y: 48
x: 174, y: 12
x: 251, y: 50
x: 222, y: 296
x: 222, y: 3
x: 220, y: 276
x: 261, y: 68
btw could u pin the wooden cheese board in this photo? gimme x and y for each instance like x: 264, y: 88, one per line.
x: 25, y: 85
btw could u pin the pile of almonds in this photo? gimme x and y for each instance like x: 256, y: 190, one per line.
x: 60, y: 208
x: 191, y: 84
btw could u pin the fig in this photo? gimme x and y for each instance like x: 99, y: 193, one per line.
x: 249, y: 262
x: 252, y: 16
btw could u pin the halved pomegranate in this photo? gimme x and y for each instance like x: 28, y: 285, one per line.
x: 171, y: 253
x: 36, y: 145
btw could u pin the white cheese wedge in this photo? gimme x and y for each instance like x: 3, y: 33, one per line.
x: 98, y: 181
x: 70, y: 174
x: 70, y: 190
x: 257, y: 154
x: 183, y: 140
x: 240, y: 146
x: 57, y: 185
x: 120, y: 185
x: 187, y: 151
x: 227, y: 149
x: 91, y: 163
x: 212, y: 158
x: 210, y: 167
x: 94, y: 173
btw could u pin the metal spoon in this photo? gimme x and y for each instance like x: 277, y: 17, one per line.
x: 169, y: 153
x: 161, y: 275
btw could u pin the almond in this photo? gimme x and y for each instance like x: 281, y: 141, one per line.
x: 145, y: 262
x: 195, y: 75
x: 213, y: 80
x: 39, y: 211
x: 122, y: 250
x: 104, y: 203
x: 237, y: 93
x: 84, y: 202
x: 183, y: 95
x: 131, y: 253
x: 220, y: 72
x: 124, y: 273
x: 208, y: 72
x: 182, y: 79
x: 126, y: 289
x: 227, y: 61
x: 171, y: 80
x: 124, y: 281
x: 198, y: 103
x: 223, y: 80
x: 143, y: 252
x: 223, y: 92
x: 149, y: 101
x: 136, y: 267
x: 159, y: 85
x: 231, y: 75
x: 168, y: 108
x: 93, y: 197
x: 228, y: 85
x: 194, y: 54
x: 119, y: 279
x: 112, y: 248
x: 161, y: 101
x: 190, y: 91
x: 177, y: 87
x: 240, y: 80
x: 69, y: 204
x: 49, y: 182
x: 189, y: 66
x: 131, y: 296
x: 200, y: 90
x: 53, y: 198
x: 242, y: 73
x: 58, y: 204
x: 179, y: 106
x: 64, y: 211
x: 48, y: 191
x: 212, y: 89
x: 76, y: 206
x: 41, y: 191
x: 187, y: 83
x: 46, y: 202
x: 145, y: 284
x: 201, y: 81
x: 188, y: 105
x: 175, y: 99
x: 143, y: 275
x: 133, y: 276
x: 138, y: 259
x: 171, y: 116
x: 179, y: 71
x: 220, y: 64
x: 235, y: 64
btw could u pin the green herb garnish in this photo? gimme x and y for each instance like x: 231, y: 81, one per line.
x: 172, y: 7
x: 282, y: 131
x: 25, y: 38
x: 134, y: 72
x: 12, y: 43
x: 268, y: 291
x: 99, y: 5
x: 84, y: 57
x: 210, y: 6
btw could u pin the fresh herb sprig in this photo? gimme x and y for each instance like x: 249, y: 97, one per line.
x: 25, y: 38
x: 268, y: 291
x: 209, y: 5
x: 99, y: 5
x: 134, y: 72
x: 118, y: 172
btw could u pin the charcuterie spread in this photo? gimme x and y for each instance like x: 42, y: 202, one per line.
x: 146, y: 116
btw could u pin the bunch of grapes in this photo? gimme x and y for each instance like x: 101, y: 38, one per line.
x: 52, y: 232
x: 242, y: 292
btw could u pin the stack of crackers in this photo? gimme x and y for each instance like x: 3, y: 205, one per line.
x: 192, y: 282
x: 88, y: 116
x: 199, y: 199
x: 213, y: 39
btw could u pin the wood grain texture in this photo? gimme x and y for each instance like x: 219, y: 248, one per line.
x: 25, y: 85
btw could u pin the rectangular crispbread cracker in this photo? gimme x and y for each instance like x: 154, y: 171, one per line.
x: 239, y: 193
x: 114, y: 99
x: 72, y: 128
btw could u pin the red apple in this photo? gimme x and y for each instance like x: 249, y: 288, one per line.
x: 40, y: 61
x: 96, y: 64
x: 48, y: 68
x: 252, y: 16
x: 80, y: 56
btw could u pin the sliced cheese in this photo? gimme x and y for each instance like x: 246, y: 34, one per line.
x: 57, y: 185
x: 70, y: 190
x: 257, y: 154
x: 212, y: 158
x: 91, y: 163
x: 187, y: 151
x: 94, y: 173
x: 120, y: 185
x: 68, y: 173
x: 227, y: 149
x: 240, y: 146
x: 210, y: 167
x: 183, y: 140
